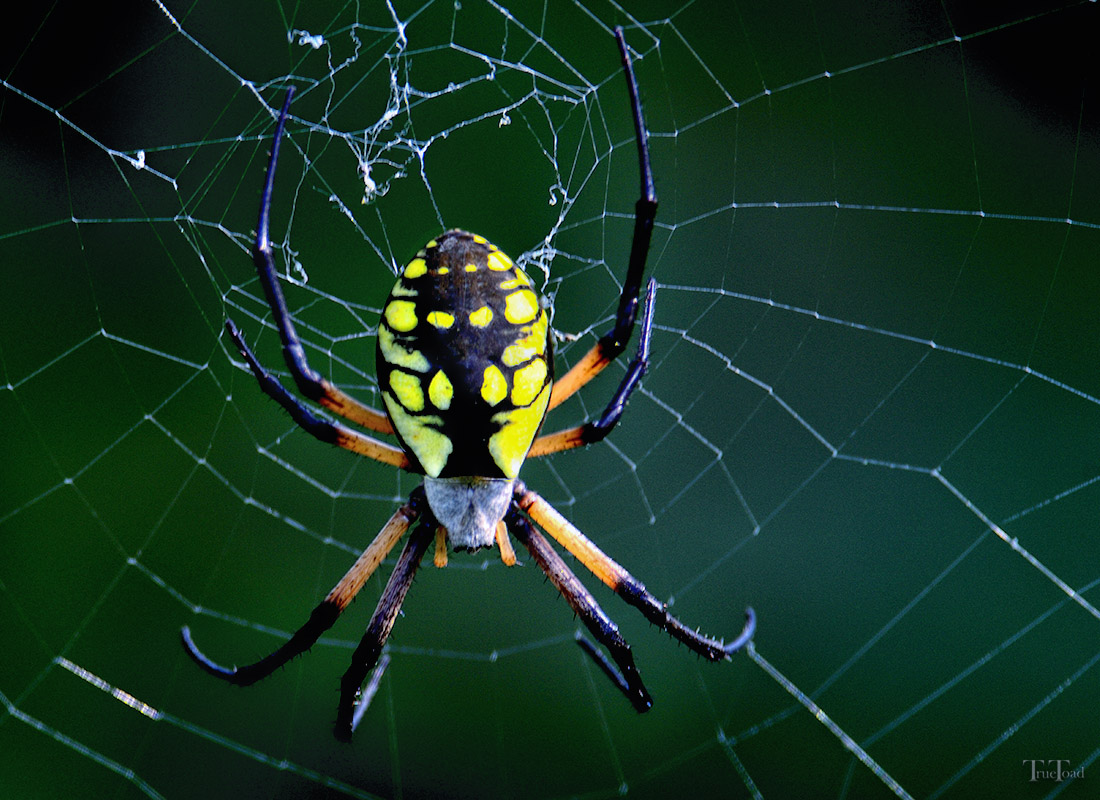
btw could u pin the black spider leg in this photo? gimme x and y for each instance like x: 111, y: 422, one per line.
x: 321, y: 618
x: 645, y: 212
x: 595, y: 431
x: 609, y: 669
x: 381, y: 623
x: 584, y: 605
x: 592, y: 432
x: 318, y: 427
x: 614, y: 342
x: 309, y: 382
x: 619, y: 580
x: 635, y: 594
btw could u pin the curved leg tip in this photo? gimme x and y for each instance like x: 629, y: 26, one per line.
x: 188, y: 642
x: 199, y: 658
x: 746, y: 633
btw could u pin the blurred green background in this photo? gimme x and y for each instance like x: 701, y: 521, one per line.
x: 874, y: 369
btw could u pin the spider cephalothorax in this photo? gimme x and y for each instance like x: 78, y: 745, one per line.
x: 466, y: 372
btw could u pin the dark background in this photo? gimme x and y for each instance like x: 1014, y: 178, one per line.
x: 872, y: 411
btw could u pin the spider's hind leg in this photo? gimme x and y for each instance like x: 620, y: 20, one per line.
x: 381, y: 623
x: 327, y: 611
x: 606, y: 632
x: 624, y: 584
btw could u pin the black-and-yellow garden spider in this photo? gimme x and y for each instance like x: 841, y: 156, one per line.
x: 465, y: 368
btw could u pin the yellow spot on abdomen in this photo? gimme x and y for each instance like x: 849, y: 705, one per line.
x: 440, y: 319
x: 516, y: 282
x: 407, y: 389
x: 527, y: 382
x: 510, y: 444
x: 430, y: 447
x: 521, y: 306
x: 401, y: 315
x: 471, y: 267
x: 498, y: 261
x: 481, y: 317
x: 440, y: 391
x: 416, y: 268
x: 531, y: 345
x: 494, y: 387
x: 399, y: 356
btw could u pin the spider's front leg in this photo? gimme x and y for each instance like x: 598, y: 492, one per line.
x: 310, y: 382
x: 614, y: 342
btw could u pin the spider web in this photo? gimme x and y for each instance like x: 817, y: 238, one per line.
x: 872, y: 411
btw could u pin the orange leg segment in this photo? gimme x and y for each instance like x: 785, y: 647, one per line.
x: 623, y: 583
x: 591, y: 365
x: 568, y: 536
x: 507, y: 554
x: 348, y: 587
x: 339, y: 402
x: 327, y: 611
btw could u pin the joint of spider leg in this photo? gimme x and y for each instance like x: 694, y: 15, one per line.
x: 636, y: 370
x: 615, y: 340
x: 309, y: 381
x: 416, y: 504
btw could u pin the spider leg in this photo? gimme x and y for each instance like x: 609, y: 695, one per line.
x: 623, y: 583
x: 584, y: 605
x: 381, y: 623
x: 611, y: 344
x: 330, y: 432
x: 327, y: 611
x: 369, y: 691
x: 592, y: 432
x: 309, y: 381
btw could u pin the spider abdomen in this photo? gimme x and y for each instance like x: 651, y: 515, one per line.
x: 464, y: 359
